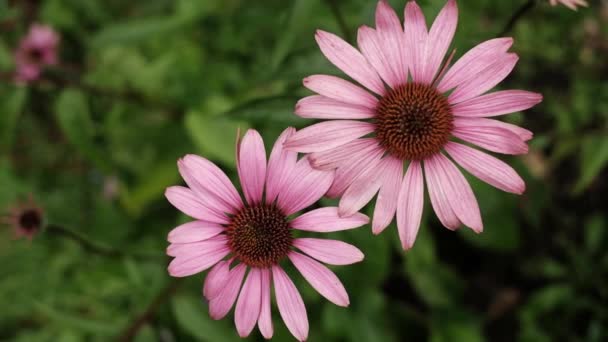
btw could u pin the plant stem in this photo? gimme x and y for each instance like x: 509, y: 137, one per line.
x: 521, y: 11
x: 335, y: 10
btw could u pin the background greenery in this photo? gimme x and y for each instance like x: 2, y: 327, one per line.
x: 144, y: 82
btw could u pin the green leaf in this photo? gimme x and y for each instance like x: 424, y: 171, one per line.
x: 595, y: 233
x: 594, y: 158
x: 11, y: 104
x: 455, y: 325
x: 137, y: 30
x: 192, y: 318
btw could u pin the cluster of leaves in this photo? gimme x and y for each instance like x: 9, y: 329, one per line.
x: 143, y: 83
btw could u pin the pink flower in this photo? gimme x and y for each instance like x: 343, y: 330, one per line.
x: 233, y: 236
x: 26, y: 219
x: 569, y: 3
x: 372, y: 132
x: 36, y: 50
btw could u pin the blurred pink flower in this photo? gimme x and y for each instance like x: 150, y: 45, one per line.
x: 233, y: 236
x: 26, y: 219
x: 372, y: 133
x: 570, y: 3
x: 36, y: 50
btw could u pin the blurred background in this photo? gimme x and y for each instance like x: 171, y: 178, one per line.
x: 93, y: 142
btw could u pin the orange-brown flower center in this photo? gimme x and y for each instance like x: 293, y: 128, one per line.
x: 413, y: 121
x: 259, y: 236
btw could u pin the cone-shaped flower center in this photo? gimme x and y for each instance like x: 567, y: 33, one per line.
x: 259, y: 236
x: 34, y: 55
x: 30, y: 220
x: 413, y: 121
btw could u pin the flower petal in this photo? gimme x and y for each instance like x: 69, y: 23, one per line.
x: 327, y: 135
x: 386, y: 203
x: 439, y: 39
x: 265, y: 319
x: 361, y: 191
x: 194, y: 231
x: 474, y: 123
x: 497, y: 103
x: 331, y: 159
x: 249, y: 303
x: 349, y: 60
x: 191, y: 264
x: 320, y: 278
x: 184, y: 250
x: 331, y: 252
x: 487, y: 168
x: 252, y: 166
x: 410, y: 204
x: 305, y: 187
x: 220, y: 305
x: 280, y: 166
x: 347, y: 173
x: 324, y: 220
x: 392, y: 40
x: 372, y: 49
x: 321, y: 107
x: 341, y: 90
x: 438, y: 194
x: 187, y: 202
x: 216, y: 279
x: 290, y: 303
x: 416, y: 37
x: 494, y: 139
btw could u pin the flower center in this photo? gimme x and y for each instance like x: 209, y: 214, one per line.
x: 30, y: 220
x: 34, y: 55
x: 413, y: 121
x: 259, y: 236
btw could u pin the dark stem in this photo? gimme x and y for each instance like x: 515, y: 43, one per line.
x: 521, y: 11
x: 335, y: 10
x: 140, y: 321
x: 97, y: 248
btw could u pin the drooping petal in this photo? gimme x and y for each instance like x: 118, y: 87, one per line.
x: 183, y: 266
x: 473, y: 62
x: 439, y: 39
x: 392, y: 40
x: 487, y: 168
x: 265, y: 319
x: 320, y: 278
x: 321, y: 107
x: 386, y: 203
x: 438, y: 195
x: 290, y: 303
x: 416, y: 36
x: 331, y: 252
x: 497, y: 103
x: 221, y: 304
x: 410, y: 204
x: 249, y: 303
x: 353, y: 169
x: 194, y: 231
x: 331, y: 159
x: 341, y: 90
x: 216, y: 280
x: 252, y: 166
x: 187, y: 202
x: 473, y: 123
x: 372, y: 49
x: 327, y: 135
x: 305, y: 186
x: 327, y: 219
x: 494, y: 139
x: 280, y: 166
x: 349, y: 60
x: 361, y: 191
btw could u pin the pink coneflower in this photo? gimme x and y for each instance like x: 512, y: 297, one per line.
x: 36, y: 50
x: 571, y: 4
x: 412, y: 121
x: 235, y: 236
x: 25, y: 218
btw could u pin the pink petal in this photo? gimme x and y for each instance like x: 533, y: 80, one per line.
x: 410, y: 204
x: 349, y: 60
x: 212, y: 179
x: 252, y: 166
x: 194, y: 231
x: 371, y: 47
x: 459, y: 193
x: 280, y: 166
x: 222, y: 303
x: 438, y: 194
x: 324, y: 220
x: 290, y: 303
x: 185, y: 250
x: 487, y: 168
x: 353, y: 169
x: 416, y: 37
x: 321, y: 107
x: 497, y: 103
x: 484, y: 80
x: 473, y: 62
x: 305, y: 187
x: 386, y: 203
x: 187, y: 202
x: 249, y: 303
x: 331, y: 159
x: 265, y: 319
x: 361, y: 191
x: 331, y: 252
x: 327, y: 135
x: 216, y: 280
x: 320, y: 278
x: 341, y: 90
x: 392, y: 40
x: 439, y: 39
x: 494, y: 139
x: 473, y: 123
x: 192, y: 264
